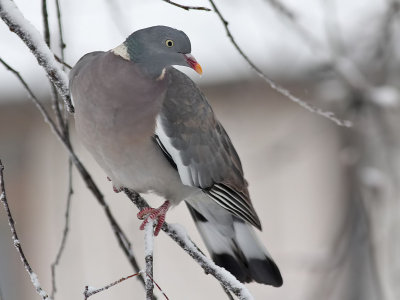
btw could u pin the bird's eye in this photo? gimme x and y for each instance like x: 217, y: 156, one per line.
x: 169, y: 43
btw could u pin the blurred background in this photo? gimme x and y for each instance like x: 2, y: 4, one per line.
x: 327, y: 196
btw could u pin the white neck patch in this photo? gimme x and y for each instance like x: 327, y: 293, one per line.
x: 162, y: 75
x: 122, y: 51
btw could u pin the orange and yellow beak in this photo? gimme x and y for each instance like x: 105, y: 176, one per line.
x: 192, y: 62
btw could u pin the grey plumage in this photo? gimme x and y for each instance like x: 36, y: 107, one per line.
x: 151, y: 129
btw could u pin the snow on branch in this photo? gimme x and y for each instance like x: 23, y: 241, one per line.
x: 17, y: 23
x: 179, y: 235
x: 329, y: 115
x: 16, y: 241
x: 148, y: 250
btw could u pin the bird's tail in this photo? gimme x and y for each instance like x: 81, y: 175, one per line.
x: 233, y: 244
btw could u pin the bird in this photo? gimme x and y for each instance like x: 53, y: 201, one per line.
x: 151, y: 129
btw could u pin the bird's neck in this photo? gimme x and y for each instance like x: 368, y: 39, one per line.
x: 153, y: 67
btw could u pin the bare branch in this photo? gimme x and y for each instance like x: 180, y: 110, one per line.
x: 329, y: 115
x: 65, y: 232
x: 17, y: 23
x: 16, y: 241
x: 178, y: 234
x: 292, y: 17
x: 90, y: 291
x: 60, y: 60
x: 185, y: 7
x: 46, y: 23
x: 60, y: 31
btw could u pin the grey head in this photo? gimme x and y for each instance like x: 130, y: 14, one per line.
x: 157, y: 47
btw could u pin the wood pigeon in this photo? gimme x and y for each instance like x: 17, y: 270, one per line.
x: 152, y: 130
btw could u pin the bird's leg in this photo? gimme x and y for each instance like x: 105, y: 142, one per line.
x: 154, y: 213
x: 115, y: 189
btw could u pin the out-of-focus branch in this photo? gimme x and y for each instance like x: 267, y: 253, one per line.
x: 17, y: 23
x: 54, y: 96
x: 178, y: 234
x: 329, y: 115
x: 59, y: 59
x: 185, y: 7
x: 118, y: 232
x: 65, y: 232
x: 16, y: 241
x: 90, y: 291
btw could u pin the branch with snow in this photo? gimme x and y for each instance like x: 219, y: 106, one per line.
x: 148, y: 257
x: 179, y: 235
x: 17, y: 244
x: 17, y: 23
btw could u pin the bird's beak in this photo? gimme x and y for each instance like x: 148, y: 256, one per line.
x: 192, y: 62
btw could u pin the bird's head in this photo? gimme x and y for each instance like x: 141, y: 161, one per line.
x: 157, y: 47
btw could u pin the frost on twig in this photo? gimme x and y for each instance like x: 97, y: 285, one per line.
x: 90, y: 291
x: 329, y: 115
x: 17, y: 23
x: 148, y: 257
x: 16, y: 241
x: 179, y: 235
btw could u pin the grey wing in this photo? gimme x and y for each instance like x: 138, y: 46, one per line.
x: 197, y: 144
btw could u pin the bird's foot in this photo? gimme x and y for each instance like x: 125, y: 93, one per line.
x: 149, y: 213
x: 116, y: 190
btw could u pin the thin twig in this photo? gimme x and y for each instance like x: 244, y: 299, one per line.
x: 292, y: 17
x: 61, y: 61
x: 178, y: 234
x: 329, y: 115
x: 118, y: 232
x: 62, y: 45
x: 90, y: 291
x: 54, y: 95
x: 17, y: 23
x: 185, y: 7
x: 46, y: 23
x: 16, y: 241
x: 148, y: 250
x: 65, y: 232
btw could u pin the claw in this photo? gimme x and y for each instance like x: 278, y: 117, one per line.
x: 158, y: 214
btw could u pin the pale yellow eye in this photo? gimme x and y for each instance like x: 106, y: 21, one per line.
x: 169, y: 43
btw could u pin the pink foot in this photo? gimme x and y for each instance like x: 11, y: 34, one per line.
x: 116, y: 189
x: 154, y: 213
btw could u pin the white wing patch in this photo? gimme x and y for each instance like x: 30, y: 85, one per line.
x: 184, y: 171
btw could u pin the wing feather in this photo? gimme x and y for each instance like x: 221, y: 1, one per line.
x: 190, y: 135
